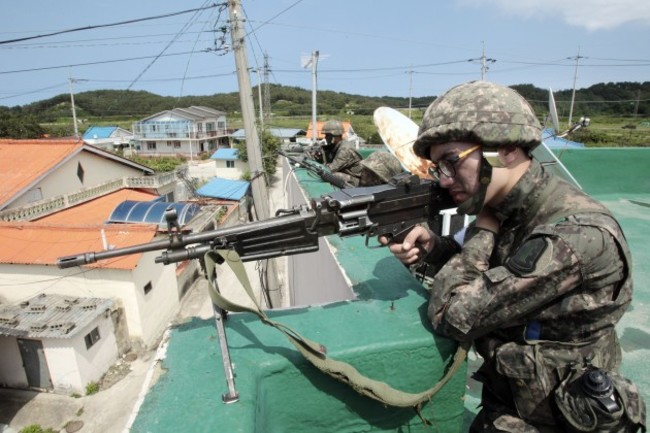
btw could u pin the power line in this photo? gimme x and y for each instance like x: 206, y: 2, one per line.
x: 169, y: 44
x: 100, y: 62
x: 98, y: 26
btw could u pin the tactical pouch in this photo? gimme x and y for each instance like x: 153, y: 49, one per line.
x: 529, y: 379
x: 586, y: 405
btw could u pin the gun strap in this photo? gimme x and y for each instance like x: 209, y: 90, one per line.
x: 316, y: 353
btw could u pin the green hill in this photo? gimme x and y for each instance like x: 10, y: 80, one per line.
x: 624, y: 105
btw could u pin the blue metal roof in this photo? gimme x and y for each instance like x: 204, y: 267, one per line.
x: 226, y: 189
x: 95, y: 132
x: 240, y: 134
x: 557, y: 142
x: 286, y: 132
x: 151, y: 212
x: 226, y: 154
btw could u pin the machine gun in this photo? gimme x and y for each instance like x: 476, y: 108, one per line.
x: 389, y: 210
x: 318, y: 170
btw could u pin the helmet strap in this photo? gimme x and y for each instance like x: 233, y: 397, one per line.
x: 474, y: 204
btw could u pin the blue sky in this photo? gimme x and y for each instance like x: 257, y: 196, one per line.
x: 367, y: 47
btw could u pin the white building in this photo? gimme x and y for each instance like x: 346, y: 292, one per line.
x: 228, y: 164
x: 181, y: 131
x: 111, y: 138
x: 53, y: 342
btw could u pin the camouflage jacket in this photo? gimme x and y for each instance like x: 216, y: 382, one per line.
x: 542, y: 294
x: 343, y: 158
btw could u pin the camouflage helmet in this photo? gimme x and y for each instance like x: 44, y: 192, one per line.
x: 479, y: 112
x: 384, y: 165
x: 333, y: 127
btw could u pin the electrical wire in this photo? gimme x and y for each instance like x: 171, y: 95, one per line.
x: 99, y: 26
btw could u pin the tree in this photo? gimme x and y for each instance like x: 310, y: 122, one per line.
x: 270, y: 146
x: 19, y: 126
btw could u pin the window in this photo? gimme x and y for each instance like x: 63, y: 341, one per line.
x: 169, y: 144
x: 147, y: 287
x: 230, y: 164
x: 34, y: 194
x: 177, y: 144
x: 92, y: 337
x: 209, y: 126
x: 151, y: 145
x: 80, y: 172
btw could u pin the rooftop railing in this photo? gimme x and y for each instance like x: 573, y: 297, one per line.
x: 45, y: 207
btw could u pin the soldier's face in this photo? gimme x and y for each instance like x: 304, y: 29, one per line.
x: 465, y: 182
x: 331, y: 139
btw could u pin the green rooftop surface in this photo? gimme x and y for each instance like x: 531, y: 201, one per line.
x: 384, y: 333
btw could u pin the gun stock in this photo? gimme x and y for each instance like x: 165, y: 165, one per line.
x: 389, y: 210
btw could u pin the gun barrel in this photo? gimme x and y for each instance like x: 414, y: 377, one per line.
x: 76, y: 260
x: 92, y: 257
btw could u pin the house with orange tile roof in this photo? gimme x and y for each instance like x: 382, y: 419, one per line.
x: 348, y: 133
x: 146, y: 291
x: 145, y: 296
x: 79, y: 187
x: 35, y: 170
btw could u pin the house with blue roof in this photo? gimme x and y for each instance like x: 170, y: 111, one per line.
x: 286, y: 135
x: 229, y: 164
x: 112, y: 138
x: 225, y: 189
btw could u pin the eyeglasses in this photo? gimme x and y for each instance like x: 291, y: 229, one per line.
x: 447, y: 166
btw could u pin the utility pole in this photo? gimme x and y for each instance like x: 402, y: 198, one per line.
x: 313, y: 61
x: 259, y: 98
x: 258, y: 177
x: 484, y: 61
x: 267, y: 92
x: 410, y: 90
x: 74, y: 112
x: 575, y: 77
x: 636, y: 104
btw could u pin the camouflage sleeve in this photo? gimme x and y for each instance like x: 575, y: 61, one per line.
x: 444, y: 248
x: 346, y: 157
x: 469, y: 299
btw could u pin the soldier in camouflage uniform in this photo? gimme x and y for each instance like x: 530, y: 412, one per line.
x: 379, y: 168
x: 339, y: 155
x: 541, y: 279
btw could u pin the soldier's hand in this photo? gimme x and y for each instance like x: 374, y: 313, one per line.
x: 416, y: 244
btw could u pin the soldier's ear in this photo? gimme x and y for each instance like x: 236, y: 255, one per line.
x: 508, y: 154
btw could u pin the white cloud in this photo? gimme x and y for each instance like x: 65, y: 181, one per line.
x: 589, y: 14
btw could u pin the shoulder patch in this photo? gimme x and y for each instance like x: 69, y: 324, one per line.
x: 526, y: 257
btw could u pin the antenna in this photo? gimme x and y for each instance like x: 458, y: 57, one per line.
x: 553, y: 110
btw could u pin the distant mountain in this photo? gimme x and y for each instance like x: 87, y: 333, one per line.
x: 619, y: 99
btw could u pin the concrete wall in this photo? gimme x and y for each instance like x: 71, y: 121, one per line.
x: 234, y: 173
x: 314, y: 278
x: 73, y: 366
x: 64, y: 179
